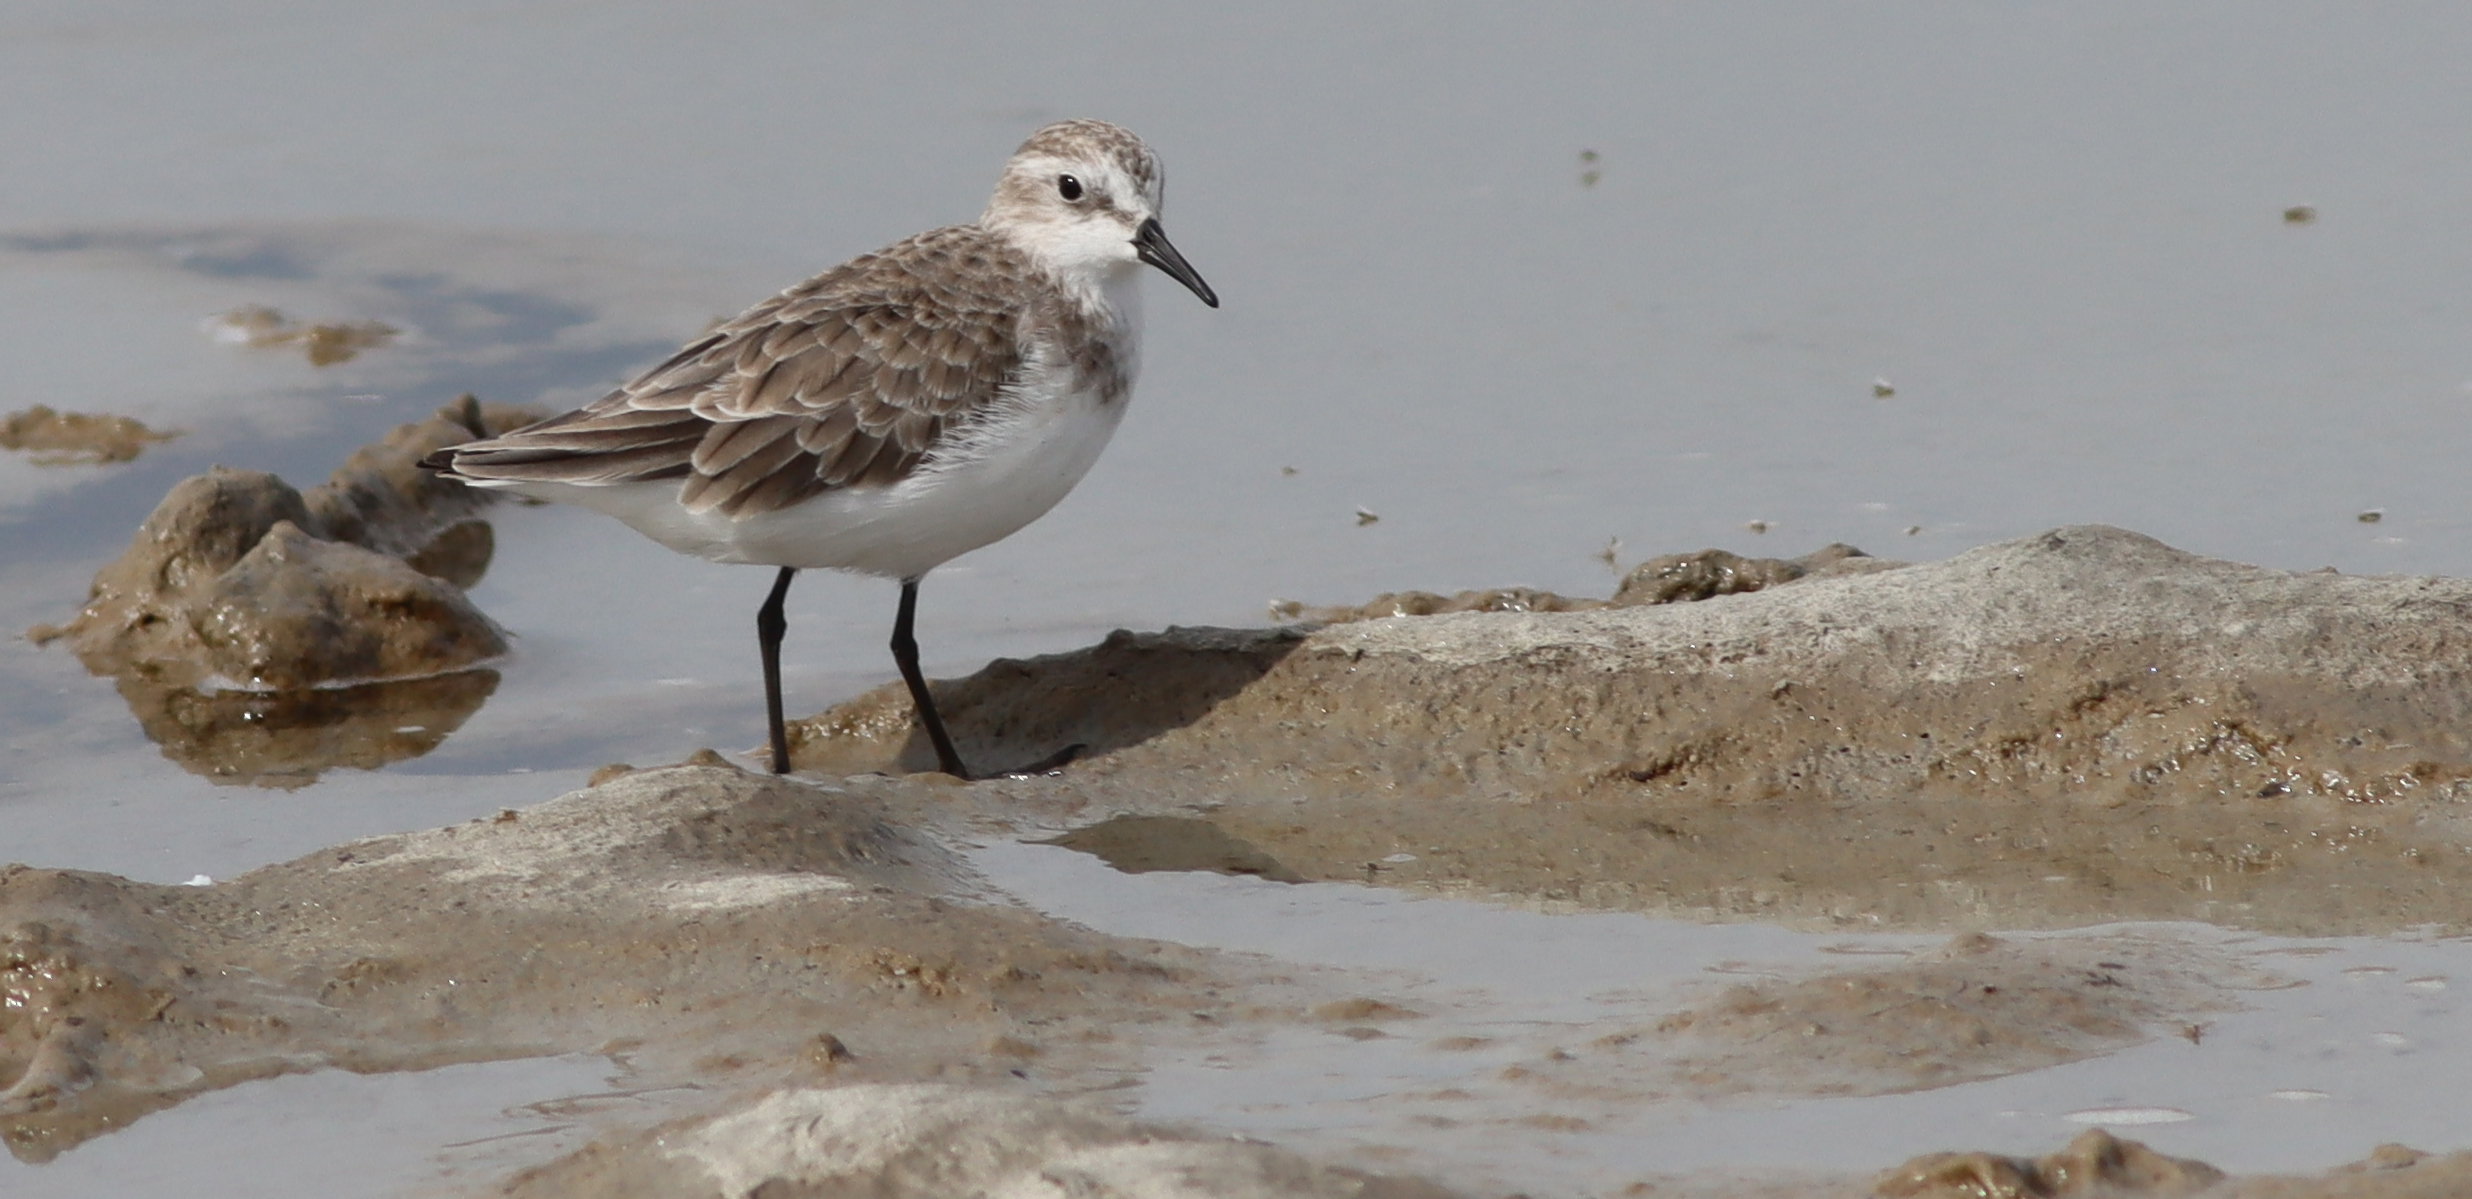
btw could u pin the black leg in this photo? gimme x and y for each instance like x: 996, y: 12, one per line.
x: 905, y: 656
x: 770, y: 624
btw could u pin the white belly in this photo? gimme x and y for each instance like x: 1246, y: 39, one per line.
x: 1014, y: 470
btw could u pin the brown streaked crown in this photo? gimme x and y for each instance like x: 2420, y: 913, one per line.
x: 1029, y: 176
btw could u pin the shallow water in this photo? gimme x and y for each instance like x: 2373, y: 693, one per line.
x: 2341, y: 1047
x: 2058, y: 236
x: 376, y: 1134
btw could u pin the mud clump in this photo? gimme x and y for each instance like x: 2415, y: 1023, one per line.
x: 2076, y: 727
x: 75, y: 438
x: 238, y: 580
x: 298, y: 611
x: 2095, y: 1164
x: 1430, y: 603
x: 1682, y: 578
x: 225, y: 582
x: 1674, y: 578
x: 237, y: 576
x: 382, y: 499
x: 323, y: 343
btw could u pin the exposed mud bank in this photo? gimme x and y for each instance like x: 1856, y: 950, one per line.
x: 696, y: 918
x: 2077, y: 728
x: 2081, y: 726
x: 781, y: 950
x: 800, y: 958
x: 835, y: 1006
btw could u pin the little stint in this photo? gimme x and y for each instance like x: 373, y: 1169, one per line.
x: 892, y: 413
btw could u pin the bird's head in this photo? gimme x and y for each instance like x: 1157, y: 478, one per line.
x: 1083, y: 199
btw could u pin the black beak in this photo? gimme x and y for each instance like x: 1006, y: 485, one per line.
x: 1151, y: 243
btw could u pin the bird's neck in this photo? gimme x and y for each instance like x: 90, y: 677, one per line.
x: 1103, y: 291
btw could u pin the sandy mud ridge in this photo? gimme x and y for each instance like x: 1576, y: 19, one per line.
x: 698, y: 919
x: 2072, y: 728
x: 833, y: 996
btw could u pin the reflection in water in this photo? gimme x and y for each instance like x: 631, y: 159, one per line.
x: 285, y: 739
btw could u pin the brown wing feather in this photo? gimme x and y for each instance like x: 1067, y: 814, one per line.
x: 850, y: 379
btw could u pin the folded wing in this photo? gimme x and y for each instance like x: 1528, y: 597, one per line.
x: 850, y: 379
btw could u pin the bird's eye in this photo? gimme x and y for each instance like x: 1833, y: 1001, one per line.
x: 1068, y: 187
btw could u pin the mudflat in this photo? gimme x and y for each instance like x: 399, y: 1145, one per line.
x: 2076, y: 728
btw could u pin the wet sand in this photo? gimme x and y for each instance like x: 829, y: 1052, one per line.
x: 2079, y: 727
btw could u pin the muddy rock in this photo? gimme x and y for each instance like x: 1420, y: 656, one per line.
x: 1678, y: 578
x: 237, y: 580
x: 2080, y: 726
x: 138, y: 617
x: 137, y: 610
x: 2094, y: 1165
x: 458, y: 556
x: 236, y: 576
x: 298, y: 611
x: 381, y: 499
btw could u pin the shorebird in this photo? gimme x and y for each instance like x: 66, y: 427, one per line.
x: 892, y: 413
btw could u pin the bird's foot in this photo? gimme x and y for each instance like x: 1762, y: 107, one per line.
x: 1052, y: 761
